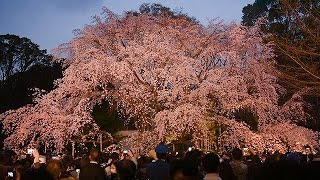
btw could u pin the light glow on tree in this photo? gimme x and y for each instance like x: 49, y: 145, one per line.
x: 170, y: 76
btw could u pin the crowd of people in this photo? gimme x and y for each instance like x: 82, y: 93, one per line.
x: 160, y: 164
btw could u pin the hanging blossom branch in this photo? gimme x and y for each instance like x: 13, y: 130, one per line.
x: 148, y: 67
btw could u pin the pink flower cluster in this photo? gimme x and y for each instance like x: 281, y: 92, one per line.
x: 170, y: 76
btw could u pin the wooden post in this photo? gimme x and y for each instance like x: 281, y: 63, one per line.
x: 100, y: 142
x: 72, y: 153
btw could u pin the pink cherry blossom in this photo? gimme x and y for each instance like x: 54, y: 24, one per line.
x: 171, y: 77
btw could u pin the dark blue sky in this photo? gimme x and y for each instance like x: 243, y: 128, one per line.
x: 51, y: 22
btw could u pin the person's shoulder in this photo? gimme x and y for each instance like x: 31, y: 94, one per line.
x: 159, y: 163
x: 97, y: 166
x: 162, y: 162
x: 92, y: 166
x: 150, y: 164
x: 243, y: 165
x: 69, y: 178
x: 237, y: 165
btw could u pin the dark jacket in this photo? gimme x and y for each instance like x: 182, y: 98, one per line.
x: 312, y: 169
x: 158, y: 170
x: 92, y: 171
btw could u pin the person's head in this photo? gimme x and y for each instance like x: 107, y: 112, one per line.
x: 194, y: 156
x: 183, y: 169
x: 176, y: 169
x: 226, y: 156
x: 36, y: 174
x: 114, y: 156
x: 94, y: 155
x: 211, y: 163
x: 294, y: 158
x: 161, y: 151
x: 237, y: 154
x: 113, y: 168
x: 142, y: 162
x: 126, y: 169
x: 55, y: 168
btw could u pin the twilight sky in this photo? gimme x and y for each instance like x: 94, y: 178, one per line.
x: 49, y: 23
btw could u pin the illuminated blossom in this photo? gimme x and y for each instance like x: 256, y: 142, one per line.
x: 170, y: 76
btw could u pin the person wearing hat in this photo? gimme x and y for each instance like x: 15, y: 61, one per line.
x: 158, y: 169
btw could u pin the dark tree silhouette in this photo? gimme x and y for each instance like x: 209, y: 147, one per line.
x: 23, y: 66
x: 295, y: 33
x: 294, y: 30
x: 18, y: 54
